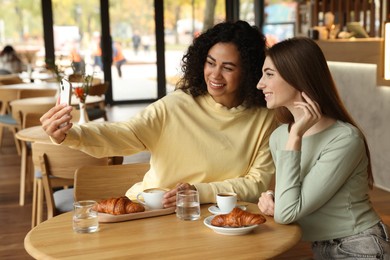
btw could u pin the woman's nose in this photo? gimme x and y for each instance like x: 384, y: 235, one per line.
x: 216, y: 73
x: 260, y: 84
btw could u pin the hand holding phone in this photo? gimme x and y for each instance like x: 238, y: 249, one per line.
x: 66, y: 92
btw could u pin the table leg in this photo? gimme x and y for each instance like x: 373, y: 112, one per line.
x: 34, y: 204
x: 40, y: 202
x: 23, y: 169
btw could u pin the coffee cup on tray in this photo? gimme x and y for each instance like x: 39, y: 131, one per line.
x: 152, y: 198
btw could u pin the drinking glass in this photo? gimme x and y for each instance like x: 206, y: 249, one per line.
x: 187, y: 205
x: 85, y: 216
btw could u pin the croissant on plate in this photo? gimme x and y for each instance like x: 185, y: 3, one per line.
x: 118, y: 206
x: 237, y: 218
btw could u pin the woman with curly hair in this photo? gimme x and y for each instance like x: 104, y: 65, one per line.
x: 211, y: 134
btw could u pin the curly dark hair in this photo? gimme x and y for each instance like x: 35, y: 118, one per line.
x: 250, y: 43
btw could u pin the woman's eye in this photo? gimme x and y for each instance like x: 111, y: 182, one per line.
x: 228, y: 68
x: 269, y: 74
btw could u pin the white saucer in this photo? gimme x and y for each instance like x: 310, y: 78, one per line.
x: 216, y: 211
x: 228, y: 231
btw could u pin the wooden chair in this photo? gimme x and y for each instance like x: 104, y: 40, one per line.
x: 58, y: 165
x: 75, y: 77
x: 6, y: 119
x: 18, y: 110
x: 79, y: 78
x: 103, y: 182
x: 30, y: 119
x: 97, y: 111
x: 10, y: 117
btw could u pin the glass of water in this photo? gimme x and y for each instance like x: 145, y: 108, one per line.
x: 187, y: 205
x: 85, y: 216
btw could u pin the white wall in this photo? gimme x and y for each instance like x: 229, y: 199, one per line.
x: 370, y: 107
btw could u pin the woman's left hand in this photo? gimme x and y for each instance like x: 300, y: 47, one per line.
x: 311, y: 115
x: 169, y: 199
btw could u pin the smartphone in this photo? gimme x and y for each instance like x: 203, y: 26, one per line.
x: 66, y: 92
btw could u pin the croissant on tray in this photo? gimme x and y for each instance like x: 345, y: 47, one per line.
x: 118, y: 206
x: 237, y: 218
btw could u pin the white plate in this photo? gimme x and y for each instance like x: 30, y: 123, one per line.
x: 216, y: 211
x: 226, y: 230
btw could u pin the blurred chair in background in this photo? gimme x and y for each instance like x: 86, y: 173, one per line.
x: 97, y: 111
x: 6, y: 119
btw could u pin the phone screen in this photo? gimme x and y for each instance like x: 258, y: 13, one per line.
x: 66, y: 92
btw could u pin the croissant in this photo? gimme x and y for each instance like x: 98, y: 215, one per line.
x: 118, y: 206
x: 237, y: 218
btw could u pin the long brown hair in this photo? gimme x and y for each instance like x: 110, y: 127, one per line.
x: 314, y: 78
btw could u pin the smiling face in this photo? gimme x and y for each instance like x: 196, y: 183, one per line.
x: 222, y: 73
x: 278, y: 93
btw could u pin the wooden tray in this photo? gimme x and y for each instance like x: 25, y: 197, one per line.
x: 108, y: 218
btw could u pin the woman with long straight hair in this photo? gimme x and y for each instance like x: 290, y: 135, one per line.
x: 323, y: 169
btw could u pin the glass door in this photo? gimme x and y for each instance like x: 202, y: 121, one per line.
x: 76, y: 36
x: 134, y: 66
x: 184, y: 20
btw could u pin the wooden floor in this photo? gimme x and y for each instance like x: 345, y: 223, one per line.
x: 15, y: 220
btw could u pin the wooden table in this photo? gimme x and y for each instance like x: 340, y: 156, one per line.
x: 33, y: 134
x: 52, y: 100
x: 31, y: 86
x: 163, y: 237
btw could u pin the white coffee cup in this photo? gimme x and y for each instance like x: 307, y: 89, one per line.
x: 152, y: 198
x: 226, y: 201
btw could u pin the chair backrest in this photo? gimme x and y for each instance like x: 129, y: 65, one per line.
x: 60, y: 162
x: 98, y: 110
x: 98, y: 90
x: 79, y: 78
x: 19, y: 110
x: 29, y: 93
x: 33, y: 119
x: 103, y: 182
x: 6, y: 96
x: 75, y: 77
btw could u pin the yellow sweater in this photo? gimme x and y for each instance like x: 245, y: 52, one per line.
x: 193, y: 140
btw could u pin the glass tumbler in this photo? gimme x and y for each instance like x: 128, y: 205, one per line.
x: 85, y: 216
x: 187, y: 205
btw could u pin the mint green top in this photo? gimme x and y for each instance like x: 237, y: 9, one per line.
x: 324, y: 186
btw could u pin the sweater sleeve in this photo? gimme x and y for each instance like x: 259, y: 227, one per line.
x: 138, y: 134
x: 296, y: 198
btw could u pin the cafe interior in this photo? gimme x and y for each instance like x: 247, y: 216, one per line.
x: 353, y: 34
